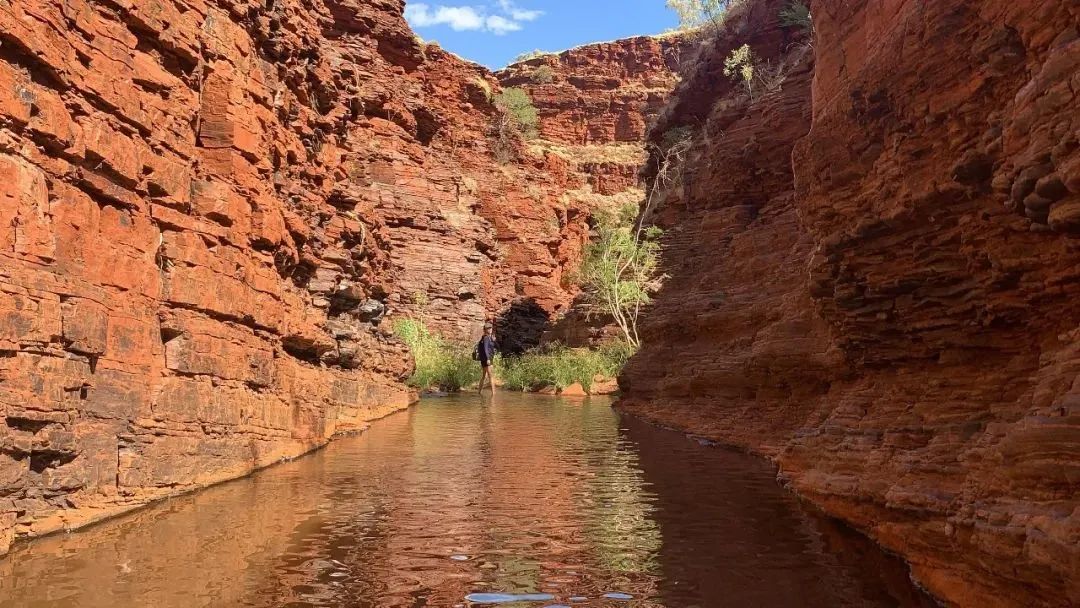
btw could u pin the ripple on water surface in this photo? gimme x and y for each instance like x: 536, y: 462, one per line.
x: 517, y: 501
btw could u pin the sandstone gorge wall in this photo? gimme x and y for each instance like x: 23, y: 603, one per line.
x: 515, y: 231
x: 211, y: 209
x: 187, y: 271
x: 595, y: 104
x: 874, y: 281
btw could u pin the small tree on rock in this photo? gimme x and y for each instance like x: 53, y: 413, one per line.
x: 619, y: 273
x: 697, y: 13
x: 517, y: 120
x: 741, y: 65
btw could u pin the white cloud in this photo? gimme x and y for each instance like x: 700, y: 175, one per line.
x: 501, y: 26
x: 518, y: 14
x: 459, y: 18
x: 470, y: 18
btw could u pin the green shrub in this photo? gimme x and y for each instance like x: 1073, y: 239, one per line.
x: 516, y: 104
x: 558, y: 366
x: 517, y: 120
x: 620, y: 269
x: 439, y: 364
x: 741, y: 65
x: 797, y: 15
x: 543, y: 75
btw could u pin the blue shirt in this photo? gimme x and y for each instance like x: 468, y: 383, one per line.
x: 486, y: 347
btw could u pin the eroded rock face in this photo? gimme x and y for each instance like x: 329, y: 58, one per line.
x: 184, y: 261
x: 212, y: 212
x: 879, y: 288
x: 595, y: 104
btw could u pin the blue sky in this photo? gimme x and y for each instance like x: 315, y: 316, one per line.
x: 493, y: 32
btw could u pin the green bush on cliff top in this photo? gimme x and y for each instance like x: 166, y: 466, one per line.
x: 698, y: 13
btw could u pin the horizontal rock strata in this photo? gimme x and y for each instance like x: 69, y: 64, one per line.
x: 874, y: 281
x: 594, y: 105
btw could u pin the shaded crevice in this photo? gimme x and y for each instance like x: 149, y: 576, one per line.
x: 39, y: 72
x: 303, y: 349
x: 26, y: 425
x: 41, y: 460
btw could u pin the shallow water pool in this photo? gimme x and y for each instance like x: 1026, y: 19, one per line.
x: 511, y: 500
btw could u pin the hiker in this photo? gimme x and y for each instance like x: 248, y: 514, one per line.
x: 485, y: 354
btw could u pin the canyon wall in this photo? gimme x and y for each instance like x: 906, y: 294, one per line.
x: 594, y: 105
x: 874, y: 280
x: 188, y: 273
x: 214, y: 211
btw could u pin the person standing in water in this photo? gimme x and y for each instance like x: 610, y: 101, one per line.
x: 485, y: 353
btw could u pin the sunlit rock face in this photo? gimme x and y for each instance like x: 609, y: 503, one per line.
x: 188, y: 271
x: 595, y: 104
x: 874, y: 281
x: 212, y: 213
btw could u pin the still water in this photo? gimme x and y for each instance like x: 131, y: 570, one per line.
x: 515, y: 500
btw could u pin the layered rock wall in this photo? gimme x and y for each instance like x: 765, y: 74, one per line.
x: 595, y: 104
x: 186, y: 282
x: 213, y: 211
x: 874, y: 281
x: 210, y: 215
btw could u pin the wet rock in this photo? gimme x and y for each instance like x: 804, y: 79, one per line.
x: 603, y: 386
x: 901, y: 348
x: 574, y: 390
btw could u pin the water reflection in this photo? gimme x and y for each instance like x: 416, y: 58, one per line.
x: 527, y: 501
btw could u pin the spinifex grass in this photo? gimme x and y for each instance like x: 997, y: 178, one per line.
x: 560, y: 367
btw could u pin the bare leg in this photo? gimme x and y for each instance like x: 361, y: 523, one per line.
x: 491, y: 379
x: 483, y: 377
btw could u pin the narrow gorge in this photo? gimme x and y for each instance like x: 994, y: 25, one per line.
x: 210, y: 208
x: 212, y: 211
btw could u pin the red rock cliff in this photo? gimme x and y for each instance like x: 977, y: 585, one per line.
x: 207, y: 210
x: 874, y: 281
x: 189, y: 273
x: 210, y: 207
x: 595, y: 103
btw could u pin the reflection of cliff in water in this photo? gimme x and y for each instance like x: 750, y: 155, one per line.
x: 748, y: 542
x: 516, y: 494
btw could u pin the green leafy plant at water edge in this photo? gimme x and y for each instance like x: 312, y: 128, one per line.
x: 559, y: 366
x: 440, y: 363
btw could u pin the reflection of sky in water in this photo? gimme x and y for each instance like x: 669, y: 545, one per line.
x: 529, y: 495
